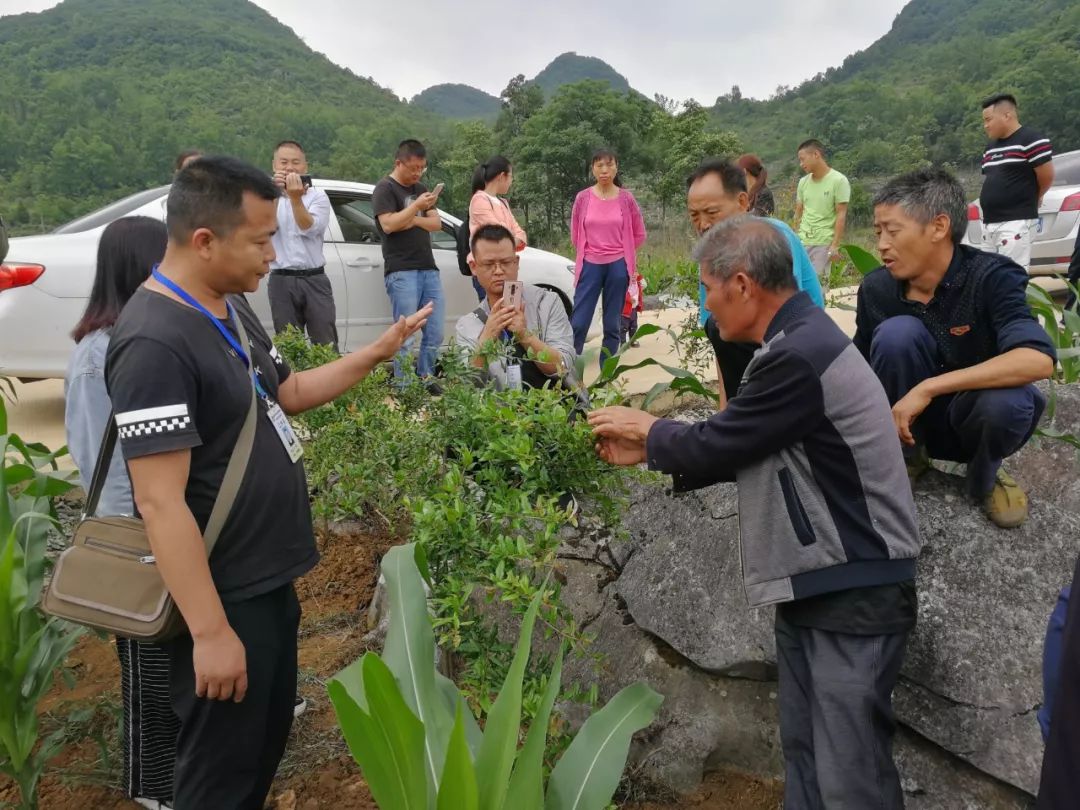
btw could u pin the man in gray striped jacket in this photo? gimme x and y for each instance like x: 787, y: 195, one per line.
x: 827, y: 521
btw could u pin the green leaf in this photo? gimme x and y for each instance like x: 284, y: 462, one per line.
x: 588, y: 772
x: 527, y: 784
x: 864, y: 260
x: 495, y: 759
x: 458, y: 788
x: 388, y: 744
x: 453, y: 699
x: 409, y: 652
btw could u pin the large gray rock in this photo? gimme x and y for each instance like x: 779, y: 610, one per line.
x: 683, y: 580
x: 972, y: 678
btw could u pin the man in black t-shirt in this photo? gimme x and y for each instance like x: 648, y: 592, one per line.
x: 181, y: 386
x: 405, y: 216
x: 1018, y: 170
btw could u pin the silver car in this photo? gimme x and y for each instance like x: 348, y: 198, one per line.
x: 1059, y: 219
x: 45, y: 280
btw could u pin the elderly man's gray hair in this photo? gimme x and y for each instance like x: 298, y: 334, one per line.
x: 750, y: 245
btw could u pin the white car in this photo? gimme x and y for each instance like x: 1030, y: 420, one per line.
x: 45, y: 280
x: 1054, y: 238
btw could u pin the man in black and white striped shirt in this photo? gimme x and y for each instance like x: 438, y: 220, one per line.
x: 1018, y: 170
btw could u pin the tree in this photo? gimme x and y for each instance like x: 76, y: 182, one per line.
x: 521, y: 101
x: 556, y: 143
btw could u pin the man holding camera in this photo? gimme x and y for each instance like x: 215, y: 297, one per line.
x: 299, y: 290
x: 520, y: 335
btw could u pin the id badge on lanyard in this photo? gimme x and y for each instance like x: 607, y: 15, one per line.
x: 277, y: 417
x: 513, y: 375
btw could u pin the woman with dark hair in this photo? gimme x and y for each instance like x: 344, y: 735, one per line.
x: 762, y: 203
x: 606, y: 228
x: 128, y: 250
x: 184, y: 158
x: 491, y: 182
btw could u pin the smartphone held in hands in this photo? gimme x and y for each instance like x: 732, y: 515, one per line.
x: 438, y: 189
x: 512, y: 293
x: 306, y: 180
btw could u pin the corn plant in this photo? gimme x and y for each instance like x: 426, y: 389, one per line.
x: 420, y: 748
x: 32, y: 645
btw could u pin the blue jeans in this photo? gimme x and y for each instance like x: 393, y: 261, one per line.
x: 979, y: 427
x: 613, y: 281
x: 409, y: 291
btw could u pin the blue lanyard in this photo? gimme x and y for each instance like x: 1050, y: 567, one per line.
x: 225, y: 333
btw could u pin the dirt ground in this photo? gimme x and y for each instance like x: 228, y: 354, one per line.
x: 317, y: 771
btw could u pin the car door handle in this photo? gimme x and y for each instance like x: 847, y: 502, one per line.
x: 360, y: 263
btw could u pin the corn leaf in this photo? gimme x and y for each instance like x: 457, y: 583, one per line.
x: 587, y: 774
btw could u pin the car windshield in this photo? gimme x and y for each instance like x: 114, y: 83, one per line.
x: 120, y: 208
x: 1067, y: 169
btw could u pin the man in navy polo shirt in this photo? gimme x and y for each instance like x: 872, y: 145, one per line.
x: 949, y: 333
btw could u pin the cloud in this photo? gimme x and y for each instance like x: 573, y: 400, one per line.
x: 683, y: 49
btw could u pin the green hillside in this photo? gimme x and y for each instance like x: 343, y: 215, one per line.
x: 914, y: 94
x: 569, y: 68
x: 458, y: 101
x: 97, y: 97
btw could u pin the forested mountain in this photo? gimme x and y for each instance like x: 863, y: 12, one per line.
x: 913, y: 96
x: 569, y: 68
x: 97, y: 97
x: 460, y: 101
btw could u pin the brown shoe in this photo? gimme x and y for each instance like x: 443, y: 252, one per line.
x: 917, y: 464
x: 1006, y: 505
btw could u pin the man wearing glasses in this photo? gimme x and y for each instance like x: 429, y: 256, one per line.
x: 526, y: 345
x: 405, y: 216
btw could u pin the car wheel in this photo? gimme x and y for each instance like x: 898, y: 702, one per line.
x: 568, y: 305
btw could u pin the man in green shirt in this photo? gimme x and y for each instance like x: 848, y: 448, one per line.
x: 820, y: 206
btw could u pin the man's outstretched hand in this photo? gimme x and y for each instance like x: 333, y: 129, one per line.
x: 621, y: 434
x: 391, y: 341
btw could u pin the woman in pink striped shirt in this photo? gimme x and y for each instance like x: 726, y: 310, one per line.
x: 606, y: 228
x: 491, y: 181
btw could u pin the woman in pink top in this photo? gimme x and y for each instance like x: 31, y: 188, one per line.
x: 491, y: 180
x: 607, y: 229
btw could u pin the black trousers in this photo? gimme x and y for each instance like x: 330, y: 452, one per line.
x: 836, y: 718
x: 227, y: 753
x: 1060, y: 783
x: 733, y: 358
x: 306, y: 302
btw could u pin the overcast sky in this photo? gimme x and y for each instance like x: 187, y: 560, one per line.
x: 680, y: 48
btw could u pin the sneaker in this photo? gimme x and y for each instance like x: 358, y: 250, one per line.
x: 917, y: 464
x: 433, y: 387
x: 153, y: 804
x: 299, y: 707
x: 1006, y: 505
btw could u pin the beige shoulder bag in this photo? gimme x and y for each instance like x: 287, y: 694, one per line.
x: 107, y: 579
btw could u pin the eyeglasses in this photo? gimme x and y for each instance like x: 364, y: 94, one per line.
x: 503, y: 264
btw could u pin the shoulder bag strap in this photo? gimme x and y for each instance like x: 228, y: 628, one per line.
x: 238, y: 461
x: 101, y: 468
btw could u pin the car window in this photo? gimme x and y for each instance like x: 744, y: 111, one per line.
x: 120, y: 208
x: 1067, y: 169
x: 446, y: 239
x: 354, y: 215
